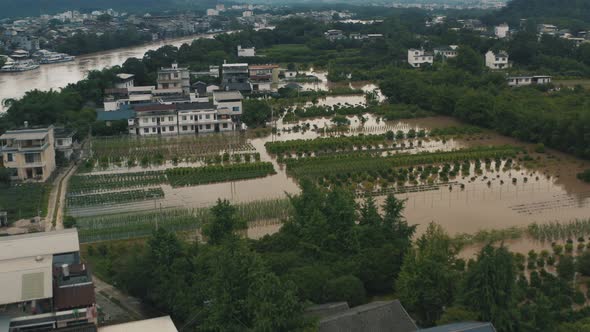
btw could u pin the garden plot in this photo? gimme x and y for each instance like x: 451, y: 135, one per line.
x: 115, y: 197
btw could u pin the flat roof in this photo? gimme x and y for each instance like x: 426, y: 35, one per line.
x: 235, y: 65
x: 36, y: 244
x: 25, y: 134
x: 154, y: 107
x: 160, y: 324
x: 263, y: 67
x: 227, y: 95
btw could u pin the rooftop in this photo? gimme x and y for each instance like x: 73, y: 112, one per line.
x: 122, y: 114
x: 154, y: 107
x: 463, y: 327
x: 35, y: 244
x: 26, y: 133
x: 227, y: 95
x: 160, y: 324
x: 230, y: 65
x: 256, y: 67
x: 195, y: 106
x: 375, y: 316
x: 124, y: 76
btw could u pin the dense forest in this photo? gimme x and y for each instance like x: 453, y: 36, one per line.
x: 83, y: 43
x: 568, y: 13
x: 331, y: 249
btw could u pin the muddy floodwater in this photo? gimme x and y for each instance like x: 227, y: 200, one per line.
x: 543, y: 191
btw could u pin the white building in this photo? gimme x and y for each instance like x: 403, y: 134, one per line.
x: 247, y: 13
x: 516, y: 81
x: 174, y: 79
x: 160, y: 324
x: 220, y: 7
x: 246, y: 52
x: 230, y: 100
x: 29, y: 153
x: 450, y: 51
x: 195, y: 118
x: 497, y: 60
x: 124, y: 81
x: 212, y: 12
x: 419, y: 58
x: 43, y: 284
x: 501, y: 31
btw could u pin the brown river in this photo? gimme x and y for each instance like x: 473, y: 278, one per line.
x: 58, y: 75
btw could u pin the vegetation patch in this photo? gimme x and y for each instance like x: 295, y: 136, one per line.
x: 117, y: 197
x: 190, y: 176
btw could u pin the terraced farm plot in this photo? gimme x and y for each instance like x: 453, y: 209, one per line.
x: 116, y: 197
x: 135, y: 225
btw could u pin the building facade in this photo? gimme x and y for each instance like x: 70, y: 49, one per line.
x: 497, y: 60
x: 174, y: 79
x: 263, y: 77
x: 29, y: 153
x: 501, y: 31
x: 44, y: 284
x: 246, y: 52
x: 419, y: 58
x: 235, y: 76
x: 515, y: 81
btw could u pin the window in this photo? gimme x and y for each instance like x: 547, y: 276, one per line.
x: 32, y: 158
x: 191, y: 117
x: 184, y: 118
x: 153, y: 130
x: 184, y: 128
x: 200, y: 127
x: 145, y: 120
x: 163, y: 129
x: 225, y: 125
x: 146, y: 130
x: 208, y: 116
x: 170, y: 118
x: 171, y: 128
x: 162, y: 119
x: 9, y: 157
x: 236, y: 108
x: 153, y: 119
x: 200, y: 117
x: 60, y: 142
x: 208, y: 126
x: 192, y: 127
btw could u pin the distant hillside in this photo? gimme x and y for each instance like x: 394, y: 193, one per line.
x: 20, y: 8
x: 566, y: 12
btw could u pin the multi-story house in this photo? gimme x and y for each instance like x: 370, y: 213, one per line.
x: 174, y: 79
x: 263, y: 77
x: 29, y: 153
x: 419, y: 58
x: 333, y: 35
x: 235, y: 76
x: 45, y: 286
x: 246, y: 52
x: 501, y: 31
x: 497, y: 60
x: 154, y: 119
x: 195, y: 118
x: 447, y: 52
x: 229, y: 102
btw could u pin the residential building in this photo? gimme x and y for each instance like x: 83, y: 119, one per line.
x: 64, y: 142
x: 462, y: 327
x: 380, y: 316
x: 501, y: 31
x: 246, y: 52
x: 419, y: 58
x: 333, y: 35
x: 29, y: 153
x: 528, y: 80
x: 116, y: 98
x: 229, y: 100
x: 497, y: 60
x: 263, y: 77
x: 446, y: 52
x: 174, y: 79
x: 220, y: 7
x: 160, y: 324
x: 247, y: 13
x: 290, y: 74
x: 548, y: 29
x: 124, y: 81
x: 154, y: 119
x: 44, y: 285
x: 212, y: 12
x: 235, y: 76
x: 195, y: 118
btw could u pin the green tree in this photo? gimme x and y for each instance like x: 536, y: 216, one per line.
x: 427, y: 281
x: 566, y: 267
x: 583, y: 263
x: 469, y: 60
x: 224, y: 224
x: 489, y: 285
x: 345, y: 288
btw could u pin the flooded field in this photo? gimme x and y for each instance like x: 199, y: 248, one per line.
x: 495, y: 194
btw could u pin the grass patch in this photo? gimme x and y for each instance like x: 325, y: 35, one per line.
x: 23, y: 200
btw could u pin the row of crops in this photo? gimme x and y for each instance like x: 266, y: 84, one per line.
x: 114, y: 197
x: 190, y: 176
x: 554, y: 231
x: 83, y: 184
x: 325, y: 144
x: 140, y: 148
x: 349, y: 163
x: 136, y: 225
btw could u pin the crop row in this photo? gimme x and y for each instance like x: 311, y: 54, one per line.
x: 554, y: 231
x: 349, y: 163
x: 81, y: 184
x: 188, y: 176
x: 139, y: 148
x: 325, y: 144
x: 114, y: 197
x: 134, y: 225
